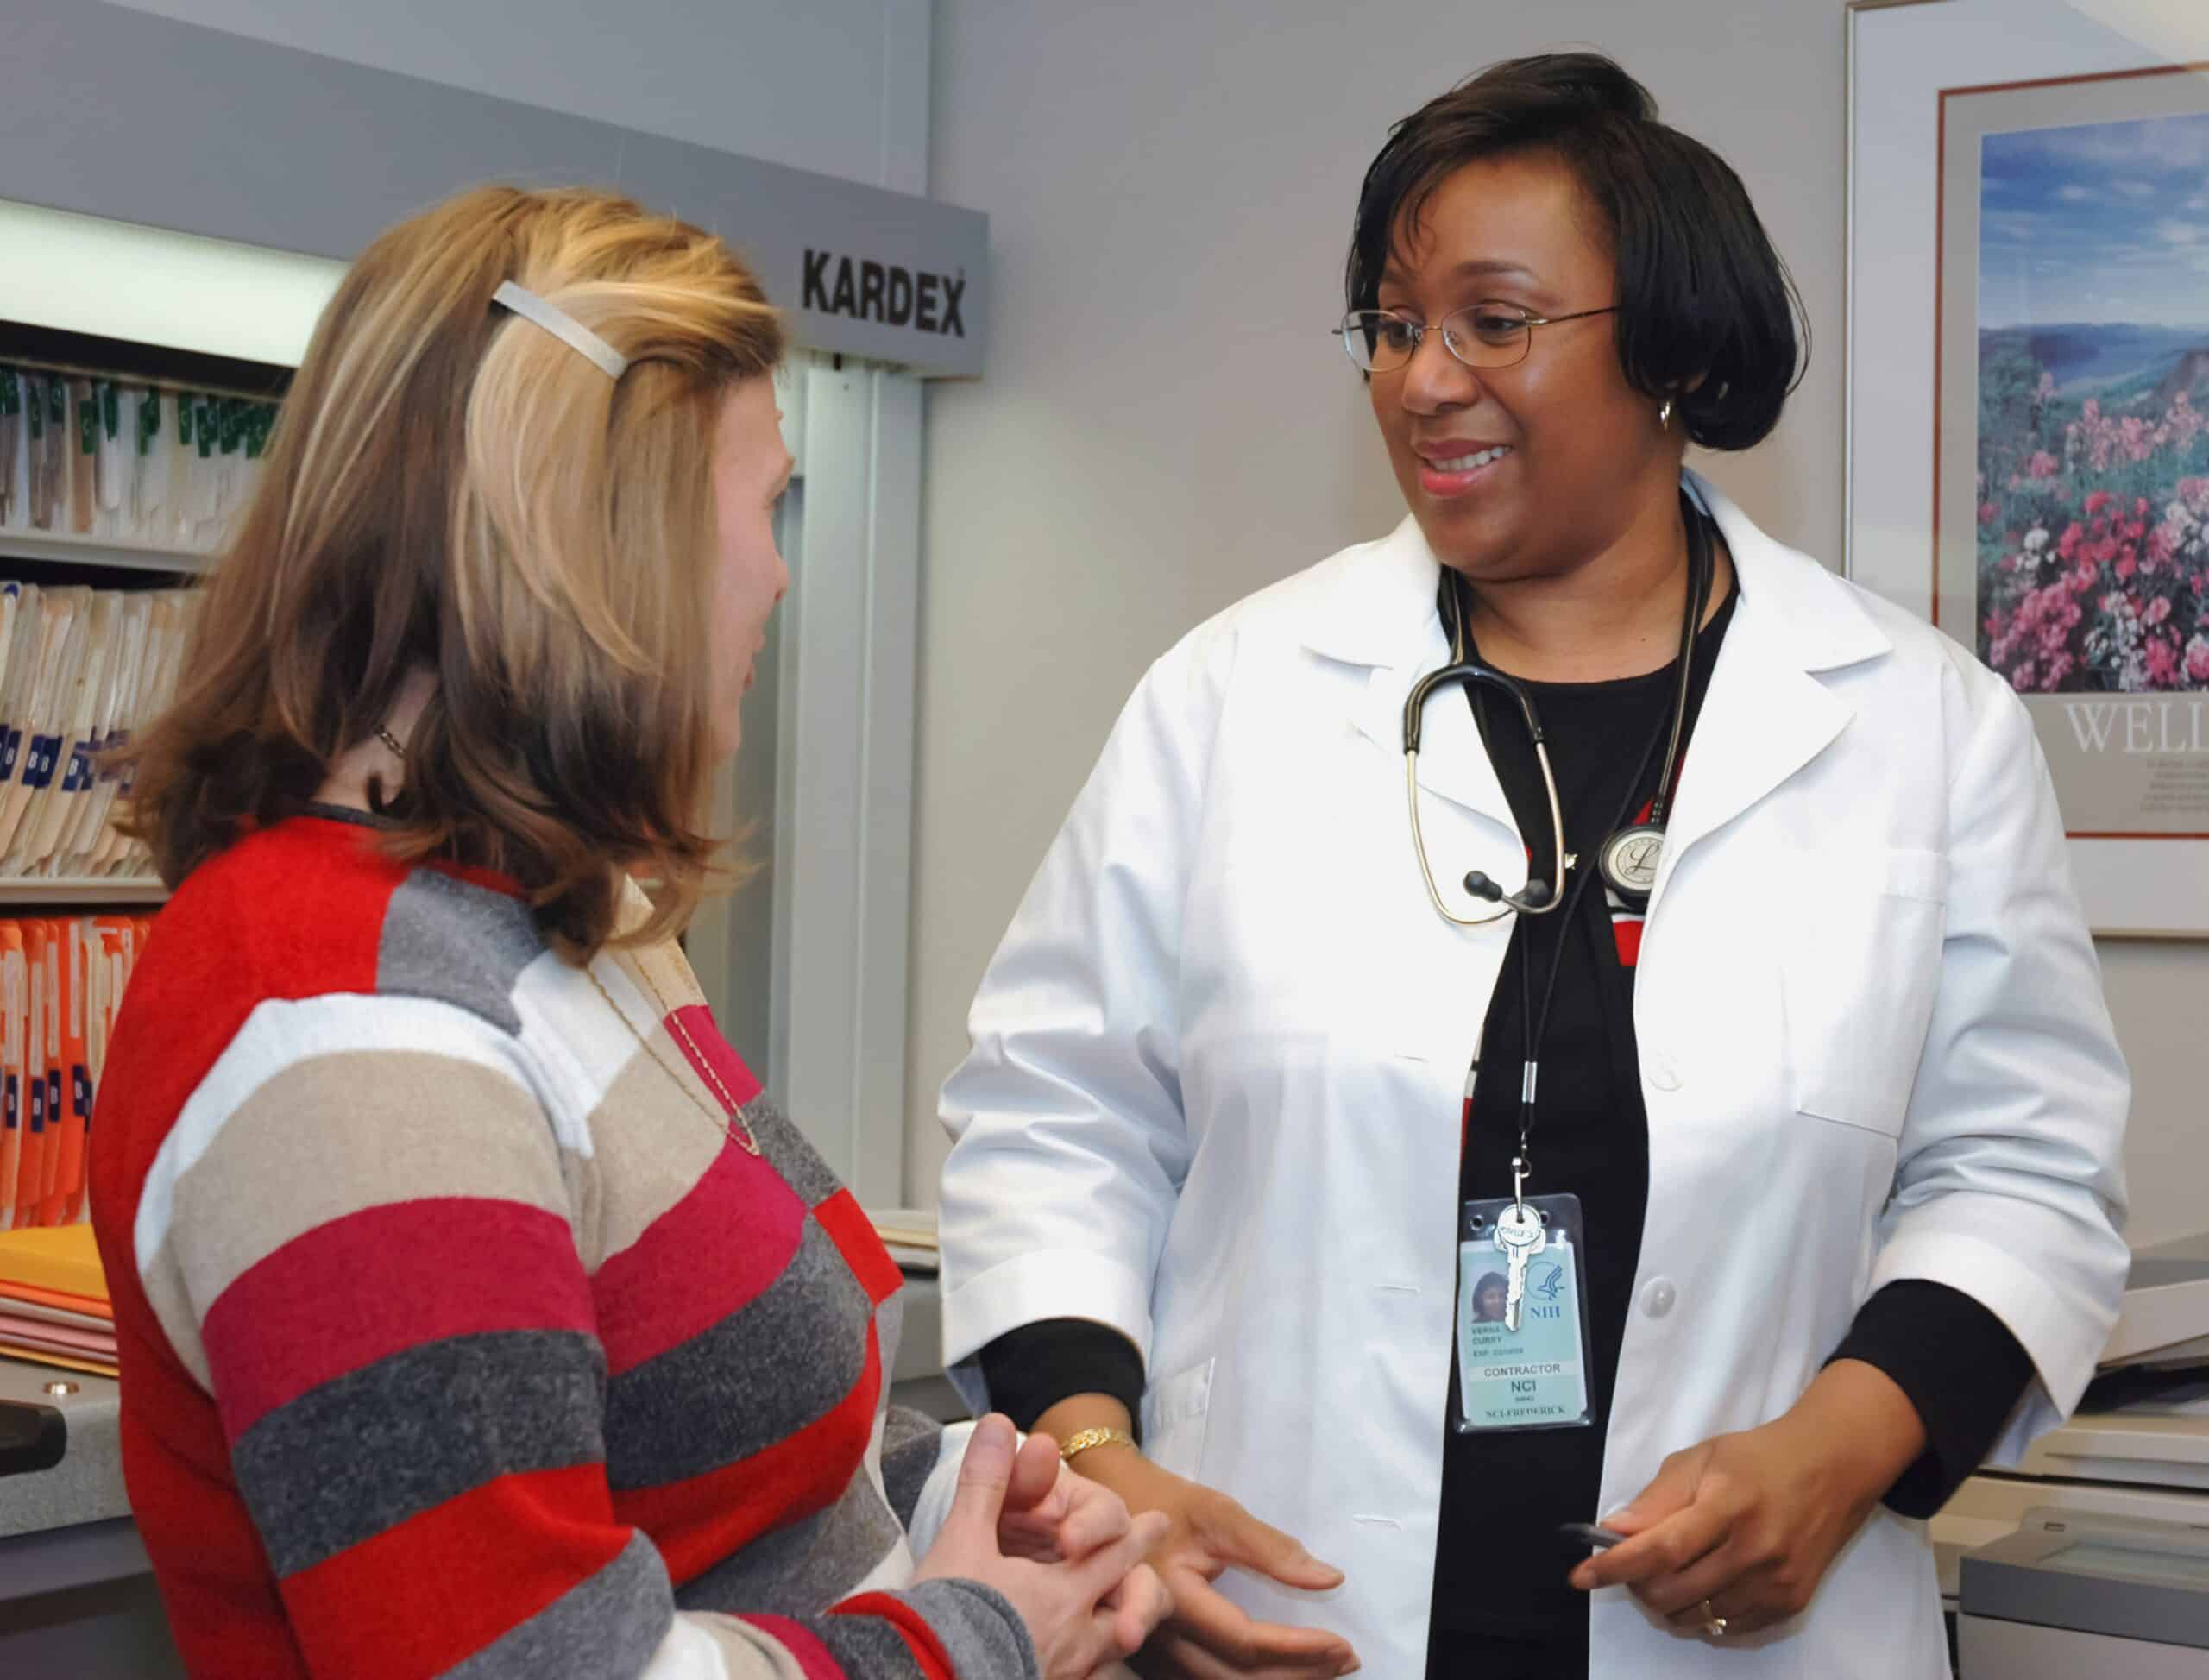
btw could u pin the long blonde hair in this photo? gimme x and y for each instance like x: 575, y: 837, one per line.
x: 453, y: 487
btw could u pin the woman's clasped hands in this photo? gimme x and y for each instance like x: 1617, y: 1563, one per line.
x: 1060, y: 1548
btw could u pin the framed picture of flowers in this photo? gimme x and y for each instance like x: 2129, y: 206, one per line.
x: 2029, y: 395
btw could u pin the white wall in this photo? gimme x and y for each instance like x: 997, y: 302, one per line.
x: 1165, y: 425
x: 836, y: 86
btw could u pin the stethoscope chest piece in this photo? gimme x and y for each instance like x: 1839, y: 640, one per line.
x: 1629, y: 860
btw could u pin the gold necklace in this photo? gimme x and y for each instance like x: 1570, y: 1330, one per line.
x: 722, y: 1124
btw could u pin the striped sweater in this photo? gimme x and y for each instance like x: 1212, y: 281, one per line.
x: 460, y: 1336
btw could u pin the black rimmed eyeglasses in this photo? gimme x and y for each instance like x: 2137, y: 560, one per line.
x: 1483, y: 334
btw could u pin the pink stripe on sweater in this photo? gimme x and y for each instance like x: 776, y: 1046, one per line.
x: 415, y: 1272
x: 693, y: 1028
x: 812, y: 1659
x: 717, y: 1249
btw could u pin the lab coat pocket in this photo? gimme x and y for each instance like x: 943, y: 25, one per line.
x: 1859, y: 975
x: 1173, y: 1411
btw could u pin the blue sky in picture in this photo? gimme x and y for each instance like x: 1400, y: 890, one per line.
x: 2104, y: 221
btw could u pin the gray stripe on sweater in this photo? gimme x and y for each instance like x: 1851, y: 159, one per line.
x: 794, y: 1569
x: 890, y: 1331
x: 869, y: 1646
x: 911, y: 1442
x: 610, y: 1624
x: 788, y: 1154
x: 757, y: 1377
x: 362, y: 1452
x: 459, y: 944
x: 980, y: 1631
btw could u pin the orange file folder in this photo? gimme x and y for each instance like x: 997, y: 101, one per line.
x: 64, y: 1190
x: 14, y: 1022
x: 30, y: 1175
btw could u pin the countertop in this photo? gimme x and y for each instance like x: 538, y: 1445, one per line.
x: 86, y: 1486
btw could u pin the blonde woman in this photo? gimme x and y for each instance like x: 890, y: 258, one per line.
x: 477, y: 1315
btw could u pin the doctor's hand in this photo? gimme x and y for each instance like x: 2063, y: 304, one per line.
x: 1082, y: 1611
x: 1748, y: 1523
x: 1205, y: 1636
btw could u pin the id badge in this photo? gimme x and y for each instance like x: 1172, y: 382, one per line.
x: 1528, y: 1367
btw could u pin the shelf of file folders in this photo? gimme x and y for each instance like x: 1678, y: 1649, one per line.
x: 98, y: 472
x: 80, y: 668
x: 97, y: 469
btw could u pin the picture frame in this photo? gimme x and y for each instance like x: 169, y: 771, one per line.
x: 2027, y: 416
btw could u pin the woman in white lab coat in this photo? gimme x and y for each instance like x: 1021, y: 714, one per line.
x: 1797, y: 1112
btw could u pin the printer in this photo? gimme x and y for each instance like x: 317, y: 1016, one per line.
x: 2070, y: 1594
x: 2092, y: 1554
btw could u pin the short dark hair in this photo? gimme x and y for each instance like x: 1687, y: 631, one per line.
x: 1704, y: 297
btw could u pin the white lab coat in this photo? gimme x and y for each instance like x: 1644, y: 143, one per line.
x: 1213, y: 1099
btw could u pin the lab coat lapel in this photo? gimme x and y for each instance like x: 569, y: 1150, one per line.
x: 1763, y: 718
x: 1766, y: 714
x: 1379, y: 612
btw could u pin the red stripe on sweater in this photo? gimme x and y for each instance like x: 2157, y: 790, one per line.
x: 927, y: 1650
x: 223, y: 1607
x: 440, y: 1586
x: 853, y: 1233
x: 813, y: 1660
x: 703, y: 1046
x: 701, y: 1520
x: 282, y: 913
x: 331, y: 906
x: 720, y: 1245
x: 421, y: 1271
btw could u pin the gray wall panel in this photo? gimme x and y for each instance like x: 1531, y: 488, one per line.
x: 116, y: 113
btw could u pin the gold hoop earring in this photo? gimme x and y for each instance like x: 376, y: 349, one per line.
x: 1664, y: 413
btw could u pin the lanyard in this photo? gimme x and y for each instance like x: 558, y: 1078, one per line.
x: 1534, y: 1028
x: 1534, y: 1025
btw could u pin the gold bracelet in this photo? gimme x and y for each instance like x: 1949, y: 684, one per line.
x: 1082, y: 1440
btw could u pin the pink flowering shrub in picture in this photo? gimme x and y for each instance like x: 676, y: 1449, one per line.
x: 2093, y: 549
x: 2092, y: 444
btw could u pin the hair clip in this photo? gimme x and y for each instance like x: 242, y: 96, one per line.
x: 563, y: 326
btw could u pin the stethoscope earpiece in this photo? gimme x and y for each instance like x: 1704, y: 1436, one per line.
x: 1534, y: 895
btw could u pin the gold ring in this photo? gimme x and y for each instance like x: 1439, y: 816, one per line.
x: 1713, y: 1623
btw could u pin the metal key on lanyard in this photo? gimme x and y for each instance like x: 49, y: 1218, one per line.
x: 1519, y: 1235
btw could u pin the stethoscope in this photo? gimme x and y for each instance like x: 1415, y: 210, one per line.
x: 1628, y: 859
